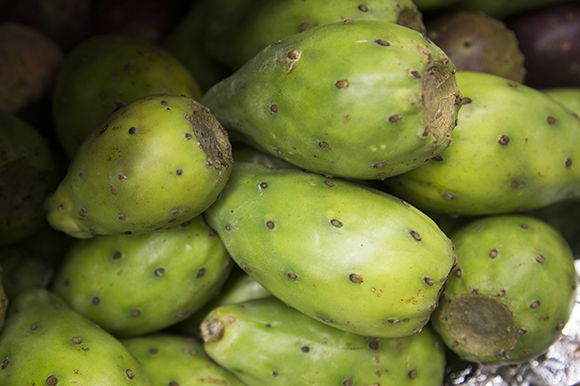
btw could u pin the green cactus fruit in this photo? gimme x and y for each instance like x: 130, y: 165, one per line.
x: 27, y: 175
x: 564, y: 217
x: 366, y: 100
x: 24, y: 268
x: 184, y: 41
x: 242, y: 152
x: 349, y: 256
x: 513, y: 149
x: 239, y: 30
x: 132, y: 285
x: 106, y: 72
x: 238, y: 288
x: 155, y: 163
x: 475, y: 41
x: 46, y: 343
x: 264, y: 342
x: 175, y: 360
x: 511, y: 293
x: 568, y: 96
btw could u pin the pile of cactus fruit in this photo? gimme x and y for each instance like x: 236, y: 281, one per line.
x: 285, y: 192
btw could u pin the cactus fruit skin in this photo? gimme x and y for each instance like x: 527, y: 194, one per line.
x: 46, y: 343
x: 238, y: 288
x: 156, y: 163
x: 514, y: 149
x: 568, y: 96
x: 245, y: 153
x: 28, y: 174
x: 364, y: 100
x: 265, y: 342
x: 237, y: 31
x: 365, y: 262
x: 511, y: 292
x: 132, y: 285
x: 170, y: 359
x: 106, y: 72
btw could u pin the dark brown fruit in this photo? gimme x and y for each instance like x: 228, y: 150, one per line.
x: 478, y: 42
x: 549, y: 38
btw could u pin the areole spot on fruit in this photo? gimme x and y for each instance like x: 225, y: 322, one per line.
x: 130, y: 373
x: 415, y: 235
x: 357, y: 279
x: 336, y: 223
x: 292, y: 59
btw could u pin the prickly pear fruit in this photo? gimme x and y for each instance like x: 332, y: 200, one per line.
x: 132, y: 285
x: 568, y: 96
x: 243, y: 28
x: 27, y: 175
x: 245, y: 153
x: 365, y: 262
x: 185, y: 43
x: 514, y: 149
x: 23, y: 268
x: 106, y: 72
x: 564, y: 217
x: 176, y: 360
x: 511, y: 293
x: 366, y: 99
x: 265, y: 342
x: 238, y: 288
x: 46, y: 343
x: 153, y: 164
x: 30, y: 60
x: 475, y: 41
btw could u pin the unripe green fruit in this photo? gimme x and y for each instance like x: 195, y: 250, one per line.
x: 510, y: 294
x: 366, y: 99
x: 46, y: 343
x: 27, y: 175
x: 138, y: 284
x: 514, y: 149
x: 264, y: 343
x: 355, y: 258
x: 176, y: 360
x: 106, y: 72
x: 154, y: 164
